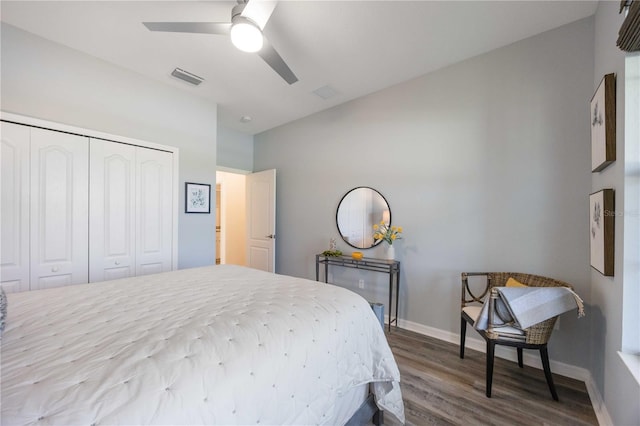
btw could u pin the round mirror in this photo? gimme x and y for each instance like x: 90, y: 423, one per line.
x: 358, y: 211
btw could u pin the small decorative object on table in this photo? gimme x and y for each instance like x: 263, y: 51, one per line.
x: 357, y: 255
x: 390, y: 252
x: 384, y: 232
x: 332, y: 253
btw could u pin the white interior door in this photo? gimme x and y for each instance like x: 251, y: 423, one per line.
x: 14, y: 204
x: 112, y: 206
x: 261, y: 220
x: 59, y: 209
x: 154, y: 212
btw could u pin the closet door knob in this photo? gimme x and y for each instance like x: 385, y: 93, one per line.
x: 117, y: 262
x: 54, y: 269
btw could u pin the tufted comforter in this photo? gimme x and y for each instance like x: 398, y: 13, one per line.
x: 214, y: 345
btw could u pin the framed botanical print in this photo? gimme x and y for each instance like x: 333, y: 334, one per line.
x: 603, y: 124
x: 601, y: 232
x: 197, y: 198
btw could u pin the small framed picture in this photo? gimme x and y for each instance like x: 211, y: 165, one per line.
x: 603, y: 124
x: 197, y: 198
x: 602, y: 221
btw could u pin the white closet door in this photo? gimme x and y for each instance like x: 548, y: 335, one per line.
x: 154, y: 220
x: 59, y: 209
x: 112, y: 205
x: 14, y: 216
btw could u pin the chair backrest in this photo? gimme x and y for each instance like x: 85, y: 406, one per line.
x: 499, y: 279
x: 537, y: 333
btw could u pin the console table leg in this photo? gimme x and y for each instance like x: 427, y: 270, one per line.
x: 397, y: 294
x: 390, y: 298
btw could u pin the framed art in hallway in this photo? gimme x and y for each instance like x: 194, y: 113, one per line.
x: 197, y: 198
x: 601, y: 231
x: 603, y: 124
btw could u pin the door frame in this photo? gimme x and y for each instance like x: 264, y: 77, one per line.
x: 223, y: 212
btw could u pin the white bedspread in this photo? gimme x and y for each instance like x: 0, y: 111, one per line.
x: 214, y: 345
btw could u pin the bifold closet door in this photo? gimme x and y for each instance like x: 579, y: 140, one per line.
x: 59, y: 209
x: 75, y: 210
x: 112, y: 205
x: 14, y: 219
x: 154, y: 213
x: 131, y: 211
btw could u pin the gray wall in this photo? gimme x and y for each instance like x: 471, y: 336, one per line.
x: 486, y: 165
x: 614, y: 382
x: 235, y: 149
x: 46, y: 80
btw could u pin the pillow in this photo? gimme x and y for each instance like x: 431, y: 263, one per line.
x: 3, y: 308
x: 512, y: 282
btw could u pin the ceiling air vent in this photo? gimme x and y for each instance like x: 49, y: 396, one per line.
x: 325, y: 92
x: 187, y: 76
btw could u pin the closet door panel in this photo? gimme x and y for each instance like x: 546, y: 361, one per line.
x: 154, y: 184
x: 59, y: 209
x: 112, y: 207
x: 14, y: 202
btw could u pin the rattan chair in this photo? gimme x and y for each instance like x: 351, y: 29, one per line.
x: 534, y: 337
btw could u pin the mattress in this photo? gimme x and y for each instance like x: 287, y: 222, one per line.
x: 215, y: 345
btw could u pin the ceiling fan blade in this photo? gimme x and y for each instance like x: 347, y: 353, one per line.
x: 259, y: 11
x: 275, y: 61
x: 190, y: 27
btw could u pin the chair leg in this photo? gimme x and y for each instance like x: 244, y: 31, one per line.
x: 520, y: 364
x: 378, y: 418
x: 544, y: 356
x: 490, y: 352
x: 463, y: 335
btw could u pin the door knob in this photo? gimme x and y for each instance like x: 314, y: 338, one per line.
x: 270, y: 236
x: 54, y: 269
x: 117, y: 262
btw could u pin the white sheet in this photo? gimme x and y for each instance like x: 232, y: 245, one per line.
x: 213, y: 345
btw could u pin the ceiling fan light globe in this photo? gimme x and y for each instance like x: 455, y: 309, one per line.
x: 246, y: 37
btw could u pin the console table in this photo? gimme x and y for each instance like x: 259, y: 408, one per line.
x: 391, y: 267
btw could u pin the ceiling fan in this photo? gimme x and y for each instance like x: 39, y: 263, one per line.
x: 248, y: 19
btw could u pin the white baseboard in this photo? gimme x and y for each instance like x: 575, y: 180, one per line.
x: 529, y: 359
x: 598, y: 403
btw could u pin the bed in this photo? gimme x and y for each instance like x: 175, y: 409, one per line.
x: 214, y: 345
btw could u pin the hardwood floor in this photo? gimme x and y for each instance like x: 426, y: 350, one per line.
x: 439, y: 388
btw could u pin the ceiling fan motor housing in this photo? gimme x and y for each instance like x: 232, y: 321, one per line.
x: 237, y: 10
x: 236, y: 15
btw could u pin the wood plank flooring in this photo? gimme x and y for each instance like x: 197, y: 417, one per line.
x: 439, y: 388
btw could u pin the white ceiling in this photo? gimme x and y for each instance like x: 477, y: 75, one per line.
x: 355, y: 47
